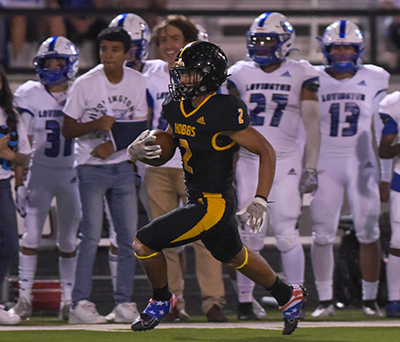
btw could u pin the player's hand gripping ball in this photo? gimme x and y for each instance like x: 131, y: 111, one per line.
x: 167, y: 144
x: 154, y: 147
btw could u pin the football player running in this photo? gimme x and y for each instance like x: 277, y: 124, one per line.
x: 349, y: 97
x: 165, y: 185
x: 208, y: 128
x: 281, y: 95
x: 51, y: 173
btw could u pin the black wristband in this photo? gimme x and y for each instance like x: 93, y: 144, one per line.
x: 264, y: 198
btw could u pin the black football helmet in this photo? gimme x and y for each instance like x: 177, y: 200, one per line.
x: 204, y: 58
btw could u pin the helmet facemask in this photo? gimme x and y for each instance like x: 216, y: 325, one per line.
x: 200, y: 68
x: 186, y: 83
x: 340, y: 62
x: 138, y: 52
x: 342, y: 33
x: 59, y: 48
x: 266, y: 48
x: 52, y: 75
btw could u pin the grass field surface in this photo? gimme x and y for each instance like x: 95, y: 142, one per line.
x: 349, y: 325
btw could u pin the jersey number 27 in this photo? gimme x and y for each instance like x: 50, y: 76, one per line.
x: 259, y: 98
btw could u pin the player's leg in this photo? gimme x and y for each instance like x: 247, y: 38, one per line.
x: 8, y: 241
x: 122, y: 200
x: 364, y: 200
x: 178, y: 227
x: 113, y: 250
x: 284, y: 213
x: 93, y: 183
x: 325, y: 211
x: 69, y: 217
x: 165, y: 190
x: 255, y: 267
x: 246, y: 184
x: 393, y: 264
x: 38, y: 206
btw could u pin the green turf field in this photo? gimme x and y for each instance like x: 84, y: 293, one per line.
x: 365, y: 334
x: 49, y: 329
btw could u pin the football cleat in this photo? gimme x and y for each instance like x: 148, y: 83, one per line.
x: 371, y: 308
x: 153, y: 314
x: 291, y: 310
x: 23, y: 308
x: 324, y: 311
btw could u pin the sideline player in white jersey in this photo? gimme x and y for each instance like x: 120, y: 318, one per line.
x: 165, y: 185
x: 389, y: 111
x: 280, y: 94
x: 51, y: 173
x: 349, y: 97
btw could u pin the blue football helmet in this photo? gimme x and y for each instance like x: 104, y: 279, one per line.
x: 270, y: 39
x: 339, y: 33
x: 140, y: 35
x: 56, y: 47
x: 202, y: 35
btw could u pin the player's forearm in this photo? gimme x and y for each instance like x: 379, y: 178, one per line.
x: 311, y: 120
x: 73, y: 129
x: 266, y: 172
x: 312, y: 151
x: 19, y: 175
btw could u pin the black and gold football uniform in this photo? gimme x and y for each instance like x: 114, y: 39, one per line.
x: 207, y: 160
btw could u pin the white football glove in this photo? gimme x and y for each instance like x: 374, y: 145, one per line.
x: 140, y: 150
x: 308, y: 182
x: 256, y: 212
x: 20, y: 200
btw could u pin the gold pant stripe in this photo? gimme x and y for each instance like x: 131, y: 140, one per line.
x: 246, y: 260
x: 146, y: 256
x: 215, y: 211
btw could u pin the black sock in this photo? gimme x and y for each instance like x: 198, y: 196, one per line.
x: 325, y: 303
x: 162, y: 294
x: 280, y: 291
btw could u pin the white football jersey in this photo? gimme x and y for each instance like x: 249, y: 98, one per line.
x: 43, y: 117
x: 157, y: 77
x: 390, y: 106
x: 347, y: 108
x: 273, y: 100
x: 92, y: 96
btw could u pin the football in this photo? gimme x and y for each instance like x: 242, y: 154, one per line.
x: 168, y: 147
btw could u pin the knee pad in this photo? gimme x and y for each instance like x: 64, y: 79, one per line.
x: 286, y: 242
x: 368, y: 234
x: 323, y: 239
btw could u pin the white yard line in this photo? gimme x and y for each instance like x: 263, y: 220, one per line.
x: 253, y: 325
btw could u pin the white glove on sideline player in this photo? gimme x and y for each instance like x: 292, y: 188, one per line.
x: 256, y: 212
x: 308, y: 182
x: 20, y: 200
x: 140, y: 150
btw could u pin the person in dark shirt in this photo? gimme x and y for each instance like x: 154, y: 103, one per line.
x: 208, y: 129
